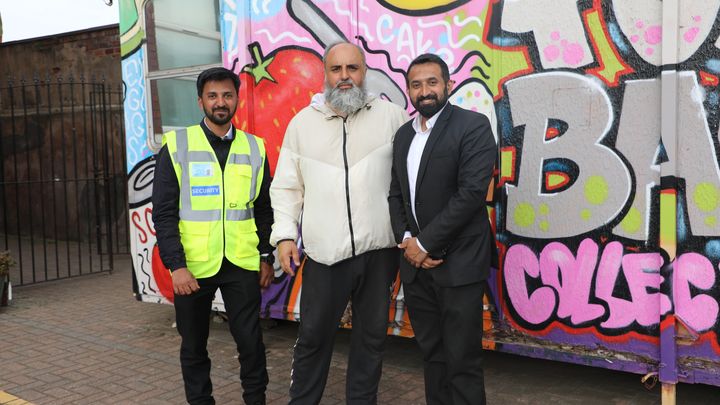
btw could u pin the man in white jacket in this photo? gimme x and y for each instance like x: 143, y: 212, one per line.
x: 334, y: 171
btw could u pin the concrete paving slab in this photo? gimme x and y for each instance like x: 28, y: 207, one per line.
x: 88, y: 341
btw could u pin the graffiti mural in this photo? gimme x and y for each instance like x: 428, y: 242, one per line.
x: 606, y: 203
x: 608, y: 222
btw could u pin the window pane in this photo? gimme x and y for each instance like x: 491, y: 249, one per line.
x: 196, y: 15
x: 182, y: 33
x: 175, y: 104
x: 180, y: 50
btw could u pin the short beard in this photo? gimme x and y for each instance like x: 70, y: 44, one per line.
x: 428, y: 111
x: 219, y: 121
x: 345, y: 101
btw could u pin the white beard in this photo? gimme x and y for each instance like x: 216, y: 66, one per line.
x: 345, y: 101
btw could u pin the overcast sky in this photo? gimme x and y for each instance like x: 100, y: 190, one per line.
x: 23, y: 19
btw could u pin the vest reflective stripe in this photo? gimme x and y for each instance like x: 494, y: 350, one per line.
x: 255, y: 163
x: 239, y: 159
x: 239, y: 215
x: 184, y: 157
x: 206, y: 190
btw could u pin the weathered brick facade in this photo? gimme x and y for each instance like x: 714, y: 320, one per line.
x: 92, y: 52
x: 61, y: 132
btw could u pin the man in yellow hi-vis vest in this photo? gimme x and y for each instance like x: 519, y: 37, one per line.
x: 212, y: 215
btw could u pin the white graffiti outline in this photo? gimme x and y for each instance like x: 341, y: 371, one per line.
x: 363, y: 7
x: 347, y: 13
x: 265, y: 9
x: 457, y: 22
x: 282, y: 36
x: 232, y: 42
x: 448, y: 28
x: 405, y: 58
x: 135, y: 109
x: 440, y: 52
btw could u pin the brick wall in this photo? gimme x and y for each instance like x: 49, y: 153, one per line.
x: 54, y: 135
x: 88, y: 53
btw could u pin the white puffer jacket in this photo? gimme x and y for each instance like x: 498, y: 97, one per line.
x: 335, y: 175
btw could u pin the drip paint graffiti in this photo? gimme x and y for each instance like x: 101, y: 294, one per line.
x: 607, y: 197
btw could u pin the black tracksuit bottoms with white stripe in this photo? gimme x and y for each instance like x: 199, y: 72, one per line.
x: 367, y: 280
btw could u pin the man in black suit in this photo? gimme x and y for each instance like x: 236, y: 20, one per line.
x: 442, y: 165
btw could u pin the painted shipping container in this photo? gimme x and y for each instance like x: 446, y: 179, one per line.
x: 606, y: 201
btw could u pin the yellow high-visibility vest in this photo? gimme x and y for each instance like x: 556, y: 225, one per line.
x: 216, y: 208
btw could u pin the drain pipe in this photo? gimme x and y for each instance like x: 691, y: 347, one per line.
x: 668, y: 367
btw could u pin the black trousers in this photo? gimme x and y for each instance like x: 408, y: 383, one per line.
x: 366, y: 279
x: 448, y: 327
x: 241, y: 294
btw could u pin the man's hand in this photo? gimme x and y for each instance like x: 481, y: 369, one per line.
x: 429, y: 263
x: 413, y: 253
x: 287, y: 251
x: 267, y: 274
x: 184, y: 283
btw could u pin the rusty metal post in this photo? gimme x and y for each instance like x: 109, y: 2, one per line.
x: 668, y: 367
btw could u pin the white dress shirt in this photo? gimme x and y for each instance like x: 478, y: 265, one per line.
x: 417, y: 146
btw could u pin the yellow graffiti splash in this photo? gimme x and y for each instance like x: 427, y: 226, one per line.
x: 611, y: 65
x: 131, y: 30
x: 507, y: 165
x: 668, y: 222
x: 505, y: 63
x: 421, y: 7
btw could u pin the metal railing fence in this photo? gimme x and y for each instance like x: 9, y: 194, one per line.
x: 63, y: 194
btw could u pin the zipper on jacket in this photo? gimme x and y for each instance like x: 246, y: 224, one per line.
x: 347, y: 186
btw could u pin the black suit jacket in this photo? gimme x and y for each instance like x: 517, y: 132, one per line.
x: 452, y: 220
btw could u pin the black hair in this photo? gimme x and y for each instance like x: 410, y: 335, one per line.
x: 429, y: 58
x: 216, y: 74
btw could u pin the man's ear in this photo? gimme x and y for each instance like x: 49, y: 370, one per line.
x: 450, y: 85
x: 200, y: 103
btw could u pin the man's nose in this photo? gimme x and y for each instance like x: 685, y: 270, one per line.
x: 344, y: 74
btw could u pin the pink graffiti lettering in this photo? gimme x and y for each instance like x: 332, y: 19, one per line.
x: 642, y: 271
x: 537, y: 307
x: 571, y: 277
x: 701, y: 311
x: 620, y: 310
x: 568, y: 280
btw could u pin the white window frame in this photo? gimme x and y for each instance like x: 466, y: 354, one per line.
x: 185, y: 73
